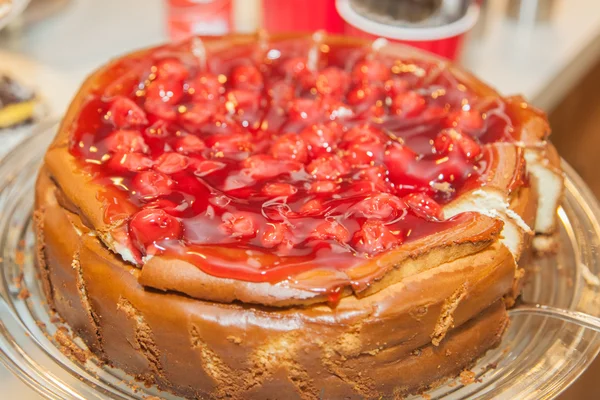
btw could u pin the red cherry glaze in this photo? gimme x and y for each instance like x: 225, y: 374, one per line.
x: 124, y: 113
x: 277, y: 189
x: 275, y: 234
x: 246, y: 77
x: 121, y: 162
x: 190, y: 144
x: 424, y: 206
x: 328, y: 168
x: 290, y: 147
x: 408, y: 104
x: 380, y: 206
x: 301, y: 167
x: 330, y: 229
x: 152, y: 226
x: 371, y: 71
x: 238, y: 226
x: 126, y: 141
x: 171, y: 163
x: 205, y: 87
x: 171, y: 69
x: 374, y: 237
x: 151, y: 184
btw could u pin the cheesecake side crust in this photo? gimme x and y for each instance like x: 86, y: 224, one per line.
x: 198, y: 348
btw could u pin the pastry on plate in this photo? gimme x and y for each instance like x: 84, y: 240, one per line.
x: 292, y: 216
x: 17, y: 103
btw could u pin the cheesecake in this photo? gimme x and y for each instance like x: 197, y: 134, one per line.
x: 295, y: 216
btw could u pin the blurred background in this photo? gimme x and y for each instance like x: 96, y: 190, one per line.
x: 547, y: 50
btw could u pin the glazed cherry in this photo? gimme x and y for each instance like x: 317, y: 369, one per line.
x: 320, y: 139
x: 246, y: 77
x: 332, y: 81
x: 125, y: 113
x: 371, y: 71
x: 189, y: 144
x: 126, y: 141
x: 328, y: 168
x: 424, y: 206
x: 275, y: 234
x: 238, y: 226
x: 165, y: 91
x: 152, y: 226
x: 304, y: 109
x: 279, y: 190
x: 290, y: 147
x: 451, y: 140
x: 466, y: 120
x: 380, y: 206
x: 134, y: 162
x: 323, y: 186
x: 262, y: 166
x: 313, y: 207
x: 205, y: 87
x: 171, y: 163
x: 330, y: 229
x: 375, y: 237
x: 152, y: 184
x: 171, y: 69
x: 408, y: 104
x: 203, y: 168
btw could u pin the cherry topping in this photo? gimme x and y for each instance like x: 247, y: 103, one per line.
x: 275, y: 234
x: 424, y: 206
x: 312, y: 207
x: 331, y: 168
x: 246, y: 77
x: 371, y: 71
x: 332, y: 81
x: 290, y: 147
x: 330, y: 229
x: 319, y: 167
x: 171, y: 69
x: 150, y: 226
x: 279, y: 189
x: 124, y: 113
x: 380, y: 206
x: 190, y: 144
x: 469, y: 120
x: 165, y: 91
x: 126, y: 141
x: 151, y: 184
x: 323, y: 187
x: 374, y: 237
x: 171, y: 163
x: 238, y: 226
x: 205, y: 86
x: 130, y: 162
x: 450, y: 140
x: 262, y: 166
x: 408, y: 104
x: 320, y: 138
x: 304, y: 109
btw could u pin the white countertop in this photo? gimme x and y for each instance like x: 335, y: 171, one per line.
x: 542, y: 61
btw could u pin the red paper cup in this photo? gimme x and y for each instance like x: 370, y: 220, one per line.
x: 445, y: 40
x: 198, y: 17
x: 301, y: 16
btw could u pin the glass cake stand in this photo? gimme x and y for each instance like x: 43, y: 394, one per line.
x: 538, y: 358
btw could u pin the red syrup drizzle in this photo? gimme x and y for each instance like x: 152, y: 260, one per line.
x: 259, y: 166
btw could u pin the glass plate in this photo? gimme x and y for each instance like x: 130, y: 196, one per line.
x: 538, y: 358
